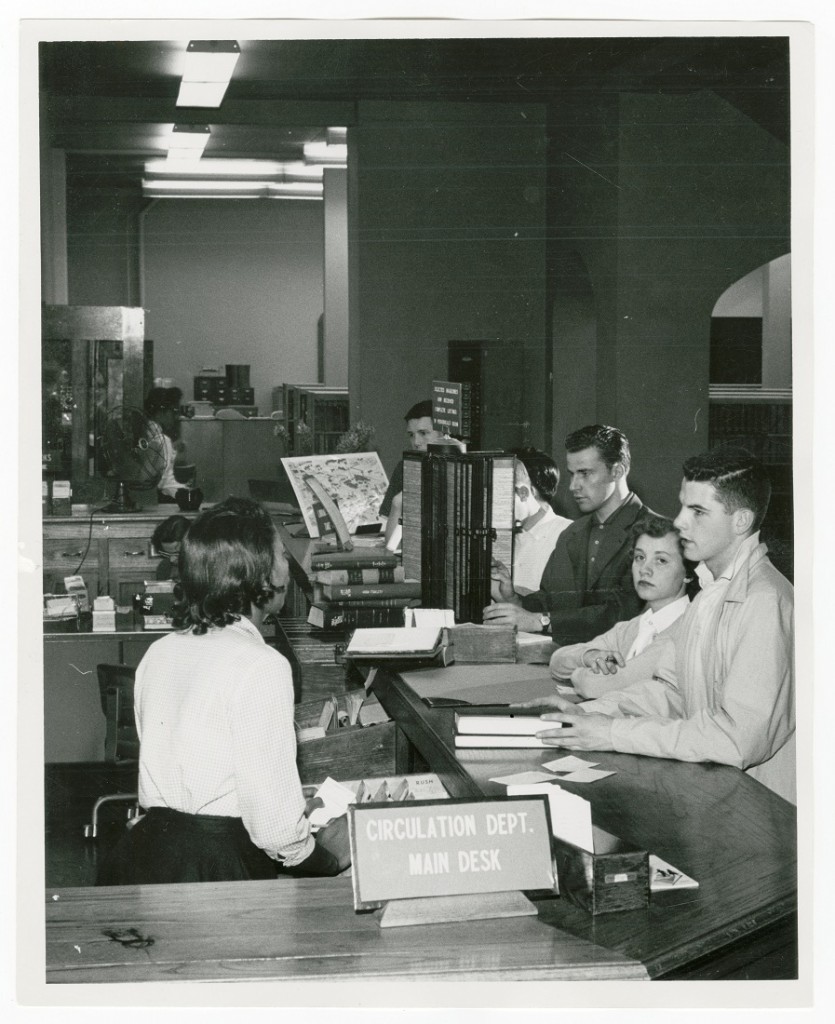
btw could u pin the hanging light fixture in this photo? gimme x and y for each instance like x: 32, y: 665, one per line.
x: 207, y: 71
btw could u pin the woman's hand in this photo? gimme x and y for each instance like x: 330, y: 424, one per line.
x: 605, y: 663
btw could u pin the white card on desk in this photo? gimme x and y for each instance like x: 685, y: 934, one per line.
x: 523, y: 778
x: 570, y: 814
x: 569, y: 763
x: 585, y: 775
x: 336, y: 799
x: 664, y: 876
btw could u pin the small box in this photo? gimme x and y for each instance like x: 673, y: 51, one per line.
x: 475, y: 644
x: 104, y: 615
x: 614, y: 877
x: 61, y: 504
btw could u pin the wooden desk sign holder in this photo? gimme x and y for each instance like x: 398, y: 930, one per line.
x: 445, y: 909
x: 614, y: 877
x: 431, y: 862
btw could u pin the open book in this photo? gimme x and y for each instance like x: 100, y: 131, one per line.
x: 420, y: 641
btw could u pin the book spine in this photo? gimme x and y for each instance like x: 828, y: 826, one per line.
x: 345, y: 577
x: 488, y: 742
x: 335, y: 616
x: 354, y: 591
x: 352, y: 560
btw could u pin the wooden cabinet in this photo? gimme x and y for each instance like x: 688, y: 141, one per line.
x: 111, y: 553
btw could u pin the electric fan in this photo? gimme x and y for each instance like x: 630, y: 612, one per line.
x: 133, y: 447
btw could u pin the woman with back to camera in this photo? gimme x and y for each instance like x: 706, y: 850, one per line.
x: 214, y: 711
x: 630, y: 650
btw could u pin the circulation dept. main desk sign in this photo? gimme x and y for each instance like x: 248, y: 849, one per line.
x: 450, y: 847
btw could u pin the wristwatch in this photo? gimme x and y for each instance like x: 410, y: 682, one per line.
x: 545, y: 622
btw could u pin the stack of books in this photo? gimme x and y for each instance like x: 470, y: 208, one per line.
x: 500, y: 727
x: 365, y: 587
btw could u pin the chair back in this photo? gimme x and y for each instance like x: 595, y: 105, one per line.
x: 121, y: 742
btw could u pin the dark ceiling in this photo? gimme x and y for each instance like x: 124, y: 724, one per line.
x: 113, y: 100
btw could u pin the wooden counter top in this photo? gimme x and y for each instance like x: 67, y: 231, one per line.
x: 714, y: 823
x: 295, y: 929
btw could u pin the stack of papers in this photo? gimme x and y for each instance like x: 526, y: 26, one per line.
x: 504, y: 728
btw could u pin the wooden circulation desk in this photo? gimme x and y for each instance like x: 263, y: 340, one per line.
x: 714, y: 823
x: 731, y: 834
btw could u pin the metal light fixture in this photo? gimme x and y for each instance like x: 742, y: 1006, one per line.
x: 208, y: 68
x: 232, y: 179
x: 187, y: 141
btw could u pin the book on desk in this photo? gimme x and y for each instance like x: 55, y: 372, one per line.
x: 500, y: 727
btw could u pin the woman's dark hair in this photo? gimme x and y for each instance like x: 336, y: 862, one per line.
x: 225, y: 565
x: 170, y: 531
x: 543, y: 471
x: 652, y: 525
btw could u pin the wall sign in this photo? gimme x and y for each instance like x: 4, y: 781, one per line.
x: 447, y: 406
x: 449, y: 847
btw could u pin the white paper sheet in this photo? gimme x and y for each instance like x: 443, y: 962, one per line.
x: 569, y: 763
x: 570, y: 814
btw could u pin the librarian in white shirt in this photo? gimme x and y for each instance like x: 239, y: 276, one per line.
x: 535, y: 484
x: 214, y: 712
x: 630, y: 651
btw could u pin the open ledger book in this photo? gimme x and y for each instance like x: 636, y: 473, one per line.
x: 393, y: 642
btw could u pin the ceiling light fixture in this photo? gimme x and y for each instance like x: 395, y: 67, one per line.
x: 231, y: 179
x: 323, y: 153
x: 207, y: 71
x: 187, y: 141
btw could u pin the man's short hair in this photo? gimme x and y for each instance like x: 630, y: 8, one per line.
x: 419, y: 410
x: 543, y: 471
x: 225, y: 565
x: 609, y: 441
x: 739, y: 479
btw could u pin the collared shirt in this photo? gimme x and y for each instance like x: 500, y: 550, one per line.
x: 532, y: 548
x: 652, y: 623
x: 215, y: 721
x: 596, y: 532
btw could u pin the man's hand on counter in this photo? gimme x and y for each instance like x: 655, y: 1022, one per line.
x: 509, y: 613
x: 580, y: 731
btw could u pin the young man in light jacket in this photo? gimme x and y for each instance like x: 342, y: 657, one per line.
x: 727, y: 693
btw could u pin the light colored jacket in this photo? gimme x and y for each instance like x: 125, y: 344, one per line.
x: 740, y: 711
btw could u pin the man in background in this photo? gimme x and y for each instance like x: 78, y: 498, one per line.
x: 586, y: 586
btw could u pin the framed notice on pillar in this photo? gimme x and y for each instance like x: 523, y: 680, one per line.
x: 448, y: 407
x: 450, y: 848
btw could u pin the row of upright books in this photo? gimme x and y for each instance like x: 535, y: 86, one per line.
x: 365, y: 587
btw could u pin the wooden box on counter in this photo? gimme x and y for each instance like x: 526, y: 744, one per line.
x: 344, y: 751
x: 614, y: 877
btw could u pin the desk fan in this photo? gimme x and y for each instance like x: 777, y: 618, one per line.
x: 134, y: 449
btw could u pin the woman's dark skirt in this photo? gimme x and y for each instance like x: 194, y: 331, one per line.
x: 170, y: 846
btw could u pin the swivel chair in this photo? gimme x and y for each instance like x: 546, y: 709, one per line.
x: 121, y: 742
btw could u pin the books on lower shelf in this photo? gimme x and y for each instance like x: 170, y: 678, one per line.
x: 326, y: 615
x: 501, y: 728
x: 409, y: 589
x: 364, y: 588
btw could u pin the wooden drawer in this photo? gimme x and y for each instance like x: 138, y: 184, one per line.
x: 132, y: 553
x: 65, y: 553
